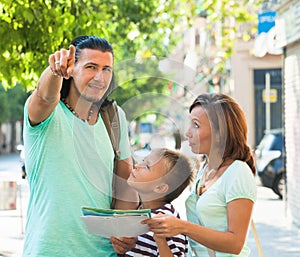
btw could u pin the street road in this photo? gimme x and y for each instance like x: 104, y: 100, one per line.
x: 10, y: 166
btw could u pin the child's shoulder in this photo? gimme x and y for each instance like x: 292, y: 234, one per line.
x: 167, y: 208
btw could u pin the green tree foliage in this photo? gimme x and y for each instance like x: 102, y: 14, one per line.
x: 4, y: 106
x: 12, y: 102
x: 227, y: 22
x: 31, y: 30
x: 16, y: 97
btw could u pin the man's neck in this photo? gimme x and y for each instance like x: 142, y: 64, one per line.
x: 83, y: 109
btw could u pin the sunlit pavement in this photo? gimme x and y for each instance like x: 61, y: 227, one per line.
x: 277, y: 236
x: 12, y: 222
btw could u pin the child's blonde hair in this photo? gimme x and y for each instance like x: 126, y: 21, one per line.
x: 179, y: 172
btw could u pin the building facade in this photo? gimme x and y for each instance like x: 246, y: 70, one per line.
x: 248, y: 83
x: 288, y: 37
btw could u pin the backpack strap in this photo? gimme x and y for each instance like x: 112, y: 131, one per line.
x: 110, y: 117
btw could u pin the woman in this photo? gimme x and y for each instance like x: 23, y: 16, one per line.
x: 220, y: 205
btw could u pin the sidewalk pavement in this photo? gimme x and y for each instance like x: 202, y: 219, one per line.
x: 12, y: 223
x: 278, y: 237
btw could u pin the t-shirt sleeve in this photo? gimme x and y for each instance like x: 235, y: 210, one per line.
x: 241, y: 183
x: 124, y: 146
x: 38, y: 127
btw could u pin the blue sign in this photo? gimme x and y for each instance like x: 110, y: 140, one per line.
x: 266, y: 21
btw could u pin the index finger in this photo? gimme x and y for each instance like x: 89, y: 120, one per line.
x: 71, y: 61
x: 72, y: 50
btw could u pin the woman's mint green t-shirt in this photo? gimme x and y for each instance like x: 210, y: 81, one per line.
x: 210, y: 208
x: 69, y: 165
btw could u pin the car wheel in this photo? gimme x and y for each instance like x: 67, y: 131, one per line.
x: 279, y: 186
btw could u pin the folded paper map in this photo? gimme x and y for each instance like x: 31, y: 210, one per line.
x: 117, y: 223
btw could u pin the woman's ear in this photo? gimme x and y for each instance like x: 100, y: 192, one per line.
x: 163, y: 188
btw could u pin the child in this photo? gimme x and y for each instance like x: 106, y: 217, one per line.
x: 159, y: 180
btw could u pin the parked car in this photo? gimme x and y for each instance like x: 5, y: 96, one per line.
x: 270, y: 161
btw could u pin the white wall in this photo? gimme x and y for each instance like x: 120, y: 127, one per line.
x: 242, y: 65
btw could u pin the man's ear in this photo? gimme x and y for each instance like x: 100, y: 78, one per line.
x: 163, y: 188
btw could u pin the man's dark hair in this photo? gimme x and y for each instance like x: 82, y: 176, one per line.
x: 90, y: 42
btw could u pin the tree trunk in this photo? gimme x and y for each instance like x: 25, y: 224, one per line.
x: 2, y: 143
x: 13, y: 138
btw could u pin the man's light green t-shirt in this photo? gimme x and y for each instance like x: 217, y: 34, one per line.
x: 69, y: 165
x: 209, y: 209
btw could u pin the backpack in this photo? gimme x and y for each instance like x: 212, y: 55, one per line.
x: 110, y: 117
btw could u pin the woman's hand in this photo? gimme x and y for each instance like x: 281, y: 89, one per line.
x: 123, y: 244
x: 163, y: 225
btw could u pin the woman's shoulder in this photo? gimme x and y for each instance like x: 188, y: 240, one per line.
x: 239, y: 182
x: 238, y: 171
x: 239, y: 166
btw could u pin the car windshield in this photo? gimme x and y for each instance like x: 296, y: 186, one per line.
x: 271, y: 142
x: 267, y: 142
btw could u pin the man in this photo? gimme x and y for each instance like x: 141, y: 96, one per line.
x: 69, y: 156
